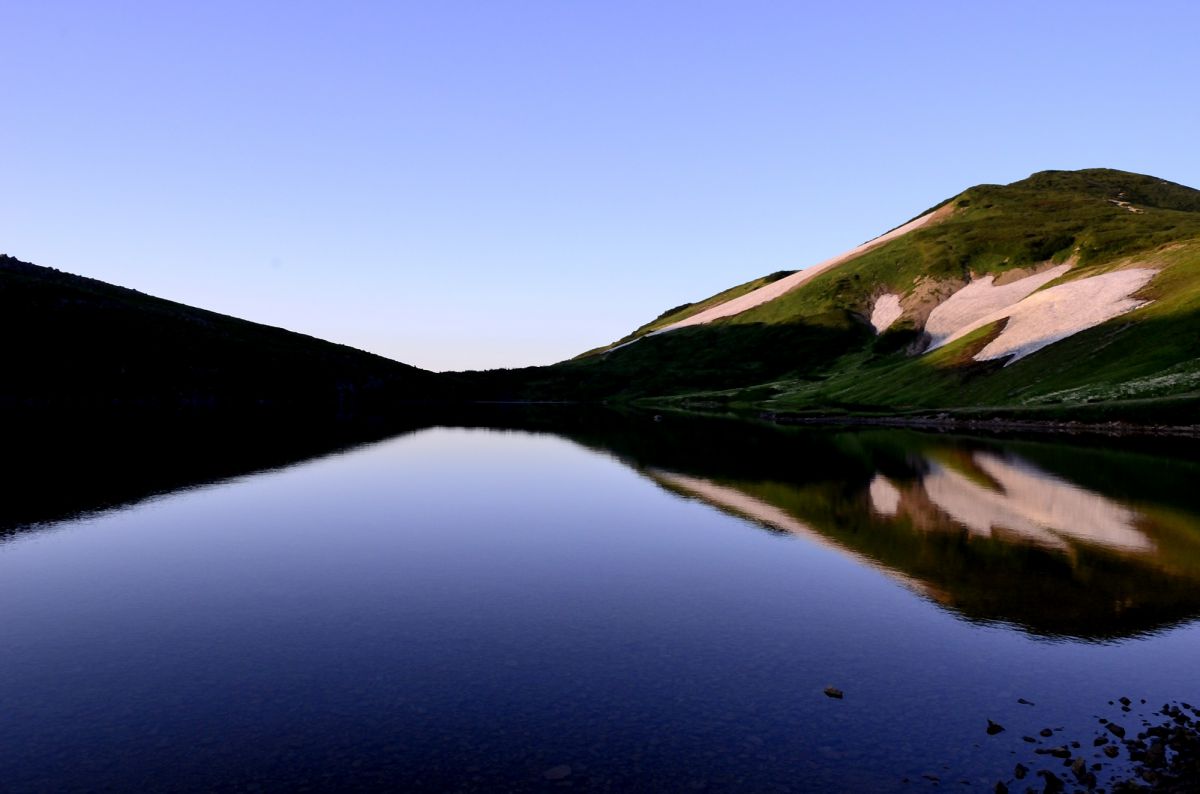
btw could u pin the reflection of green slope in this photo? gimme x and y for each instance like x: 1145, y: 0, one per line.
x: 1090, y: 593
x: 1140, y: 470
x: 795, y: 480
x: 820, y: 479
x: 740, y: 503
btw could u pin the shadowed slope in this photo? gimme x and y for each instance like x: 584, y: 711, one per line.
x: 81, y: 344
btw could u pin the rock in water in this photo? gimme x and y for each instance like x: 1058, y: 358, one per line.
x: 834, y: 692
x: 1157, y: 754
x: 1054, y: 784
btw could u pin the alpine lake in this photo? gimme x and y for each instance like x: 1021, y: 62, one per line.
x: 551, y: 599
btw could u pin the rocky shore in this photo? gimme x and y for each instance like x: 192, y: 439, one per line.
x: 945, y: 421
x: 1132, y: 751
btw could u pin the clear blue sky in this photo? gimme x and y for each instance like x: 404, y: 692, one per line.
x: 481, y: 184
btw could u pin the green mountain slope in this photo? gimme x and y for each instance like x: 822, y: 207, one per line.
x: 1103, y: 267
x: 77, y: 344
x: 686, y: 310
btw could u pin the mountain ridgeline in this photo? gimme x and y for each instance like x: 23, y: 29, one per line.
x: 1070, y: 292
x: 78, y: 345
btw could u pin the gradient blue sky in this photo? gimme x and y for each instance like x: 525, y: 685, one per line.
x: 482, y: 184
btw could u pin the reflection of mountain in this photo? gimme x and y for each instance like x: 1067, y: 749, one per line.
x: 1016, y: 497
x: 734, y: 501
x: 58, y: 472
x: 1060, y: 539
x: 980, y: 529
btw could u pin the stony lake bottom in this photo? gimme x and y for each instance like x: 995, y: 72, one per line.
x: 561, y: 600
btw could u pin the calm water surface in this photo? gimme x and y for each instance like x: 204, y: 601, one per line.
x: 620, y: 605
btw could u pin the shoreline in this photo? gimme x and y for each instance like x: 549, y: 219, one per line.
x: 949, y: 422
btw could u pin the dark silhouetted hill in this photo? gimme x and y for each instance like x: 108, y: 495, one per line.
x: 77, y: 344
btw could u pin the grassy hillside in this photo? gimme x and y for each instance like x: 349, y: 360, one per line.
x: 683, y: 311
x: 73, y: 343
x: 813, y: 349
x: 689, y: 360
x: 1047, y: 218
x: 1151, y: 352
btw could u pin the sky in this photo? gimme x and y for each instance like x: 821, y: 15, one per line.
x: 471, y: 185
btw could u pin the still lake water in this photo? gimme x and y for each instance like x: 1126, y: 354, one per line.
x: 617, y: 605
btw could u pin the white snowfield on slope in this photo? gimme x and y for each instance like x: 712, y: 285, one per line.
x: 1056, y: 313
x: 1036, y: 319
x: 784, y: 285
x: 887, y: 311
x: 963, y: 311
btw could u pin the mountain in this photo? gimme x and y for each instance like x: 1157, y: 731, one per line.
x: 1066, y: 289
x: 1070, y: 294
x: 74, y: 344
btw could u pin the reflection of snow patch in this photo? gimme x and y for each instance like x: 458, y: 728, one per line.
x: 1034, y: 504
x: 734, y: 501
x: 966, y: 310
x: 887, y: 311
x: 1046, y: 317
x: 773, y: 290
x: 884, y: 496
x: 979, y: 509
x: 738, y: 502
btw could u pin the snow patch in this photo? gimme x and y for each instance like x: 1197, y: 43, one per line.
x: 969, y: 308
x: 784, y: 285
x: 1054, y: 314
x: 887, y: 311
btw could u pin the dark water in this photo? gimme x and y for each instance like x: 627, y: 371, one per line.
x: 656, y: 605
